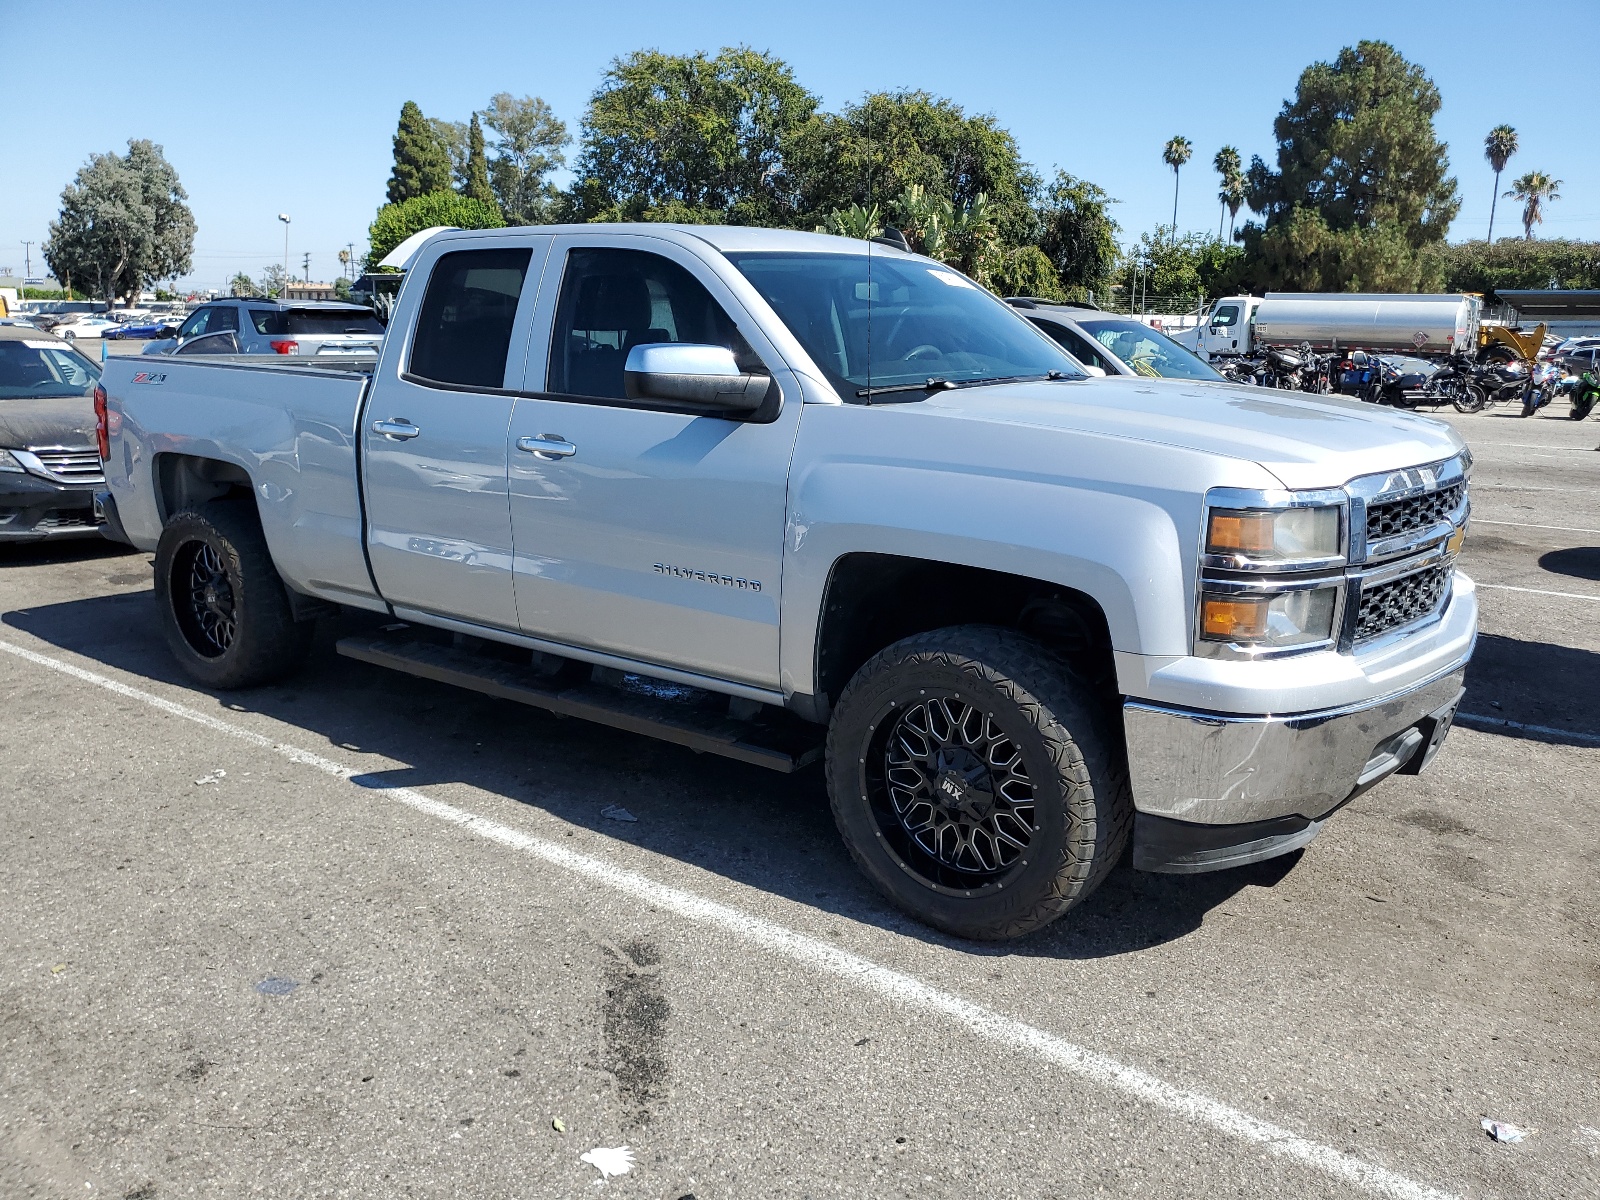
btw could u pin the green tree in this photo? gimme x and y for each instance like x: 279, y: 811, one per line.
x: 1498, y: 148
x: 871, y: 152
x: 396, y: 222
x: 1175, y: 153
x: 691, y: 137
x: 853, y: 222
x: 1077, y: 235
x: 1361, y: 188
x: 1235, y: 190
x: 475, y: 177
x: 1534, y: 189
x: 1179, y: 270
x: 241, y: 285
x: 1516, y: 263
x: 1230, y: 167
x: 452, y: 136
x: 421, y: 162
x: 528, y: 144
x: 272, y: 282
x: 123, y: 224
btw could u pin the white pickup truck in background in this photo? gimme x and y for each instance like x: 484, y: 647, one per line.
x: 784, y: 496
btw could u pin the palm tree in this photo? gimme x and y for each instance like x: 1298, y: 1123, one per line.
x: 1233, y: 196
x: 1498, y: 148
x: 1230, y: 166
x: 1175, y: 154
x: 1533, y: 189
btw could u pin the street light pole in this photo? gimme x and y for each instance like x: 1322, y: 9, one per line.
x: 284, y: 217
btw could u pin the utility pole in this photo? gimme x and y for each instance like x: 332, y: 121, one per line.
x: 350, y: 249
x: 27, y: 263
x: 306, y: 266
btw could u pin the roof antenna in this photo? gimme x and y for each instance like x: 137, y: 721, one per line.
x: 893, y: 237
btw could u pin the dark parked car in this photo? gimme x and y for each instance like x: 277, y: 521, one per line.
x: 49, y: 463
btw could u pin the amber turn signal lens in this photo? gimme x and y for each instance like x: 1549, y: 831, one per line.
x: 1241, y: 533
x: 1234, y: 618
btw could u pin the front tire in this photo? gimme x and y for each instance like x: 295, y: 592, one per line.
x: 223, y: 605
x: 974, y: 781
x: 1471, y: 400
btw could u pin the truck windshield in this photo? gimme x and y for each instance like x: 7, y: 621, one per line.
x: 40, y: 370
x: 897, y: 323
x: 1147, y: 351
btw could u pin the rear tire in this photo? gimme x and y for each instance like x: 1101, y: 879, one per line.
x: 224, y: 608
x: 1582, y: 406
x: 976, y: 783
x: 1471, y: 400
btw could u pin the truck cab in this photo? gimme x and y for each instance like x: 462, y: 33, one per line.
x: 1224, y: 329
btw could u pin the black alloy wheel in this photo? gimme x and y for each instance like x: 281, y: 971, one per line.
x: 951, y: 794
x: 206, y: 613
x: 223, y: 605
x: 976, y: 780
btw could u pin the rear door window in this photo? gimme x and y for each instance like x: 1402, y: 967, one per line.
x: 268, y: 321
x: 463, y: 331
x: 223, y: 319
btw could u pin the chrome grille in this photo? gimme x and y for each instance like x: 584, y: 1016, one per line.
x: 1390, y: 605
x: 1412, y: 514
x: 69, y: 465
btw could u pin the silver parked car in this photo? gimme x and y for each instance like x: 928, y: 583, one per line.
x: 302, y: 328
x: 1117, y: 345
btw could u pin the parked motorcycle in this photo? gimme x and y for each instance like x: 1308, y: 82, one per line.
x: 1585, y: 393
x: 1542, y: 387
x: 1457, y: 383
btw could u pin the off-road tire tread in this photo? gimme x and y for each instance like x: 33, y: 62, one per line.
x: 1075, y: 729
x: 269, y: 643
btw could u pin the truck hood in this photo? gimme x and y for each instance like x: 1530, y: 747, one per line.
x: 63, y: 421
x: 1307, y: 441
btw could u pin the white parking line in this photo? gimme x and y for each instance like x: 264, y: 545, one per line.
x: 1506, y: 587
x: 1529, y: 525
x: 1588, y: 739
x: 895, y: 986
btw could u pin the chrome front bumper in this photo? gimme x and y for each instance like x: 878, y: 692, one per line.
x: 1206, y: 768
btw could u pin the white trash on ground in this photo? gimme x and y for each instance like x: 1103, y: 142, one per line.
x: 1503, y: 1131
x: 615, y: 812
x: 609, y: 1160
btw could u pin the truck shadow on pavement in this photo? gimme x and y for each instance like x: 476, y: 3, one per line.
x: 771, y: 832
x: 1536, y: 683
x: 1579, y: 562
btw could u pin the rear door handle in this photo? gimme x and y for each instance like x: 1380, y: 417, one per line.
x: 547, y: 445
x: 400, y: 429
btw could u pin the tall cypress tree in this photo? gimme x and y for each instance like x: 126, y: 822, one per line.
x: 421, y: 165
x: 476, y: 184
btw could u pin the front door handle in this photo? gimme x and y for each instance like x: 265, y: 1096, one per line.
x: 547, y: 445
x: 400, y: 429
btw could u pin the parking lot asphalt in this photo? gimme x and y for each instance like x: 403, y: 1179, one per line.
x: 363, y: 935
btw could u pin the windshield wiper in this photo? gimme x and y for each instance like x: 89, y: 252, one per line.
x: 941, y: 385
x: 931, y: 385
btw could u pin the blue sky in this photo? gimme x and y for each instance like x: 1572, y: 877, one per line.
x: 290, y: 106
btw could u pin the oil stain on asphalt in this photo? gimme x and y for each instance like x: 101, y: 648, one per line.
x: 635, y: 1015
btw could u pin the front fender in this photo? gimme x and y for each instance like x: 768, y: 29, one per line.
x: 1114, y: 519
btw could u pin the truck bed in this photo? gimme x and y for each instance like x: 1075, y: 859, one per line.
x: 289, y: 425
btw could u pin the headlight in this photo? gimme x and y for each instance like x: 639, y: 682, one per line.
x: 9, y: 463
x: 1276, y: 536
x: 1269, y: 619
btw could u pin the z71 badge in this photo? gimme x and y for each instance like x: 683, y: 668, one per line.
x: 149, y: 377
x: 733, y: 581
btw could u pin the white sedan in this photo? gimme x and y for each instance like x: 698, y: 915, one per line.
x: 83, y: 326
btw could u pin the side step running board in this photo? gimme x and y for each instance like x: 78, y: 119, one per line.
x: 687, y: 716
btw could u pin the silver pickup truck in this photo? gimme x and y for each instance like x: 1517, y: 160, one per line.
x: 784, y: 496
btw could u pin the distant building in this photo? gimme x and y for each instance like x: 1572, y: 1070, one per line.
x: 307, y: 291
